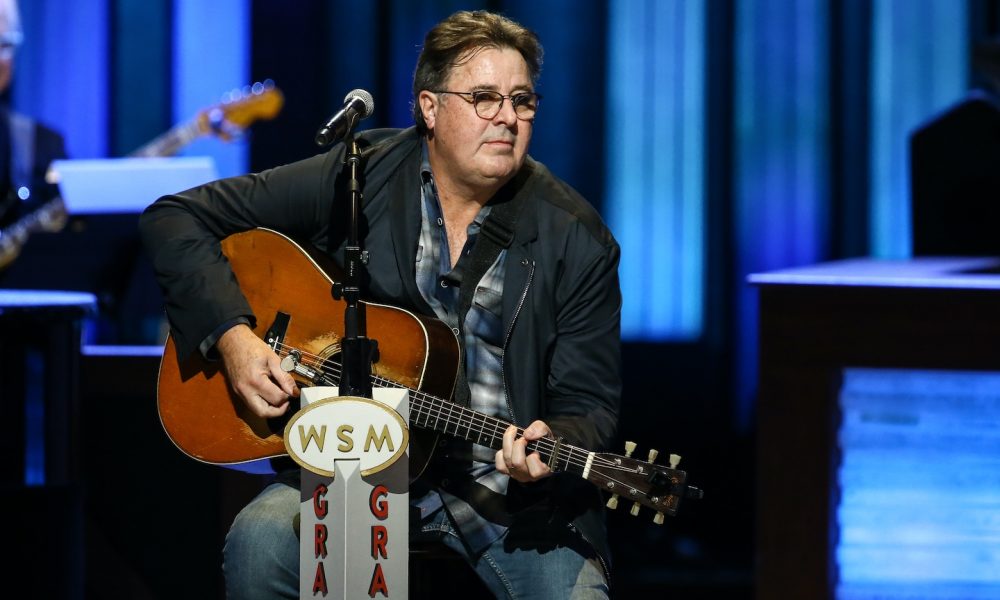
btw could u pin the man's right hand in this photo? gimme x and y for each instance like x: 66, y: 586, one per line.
x: 254, y: 372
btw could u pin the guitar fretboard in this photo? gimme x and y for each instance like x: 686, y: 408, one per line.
x: 170, y: 142
x: 431, y: 412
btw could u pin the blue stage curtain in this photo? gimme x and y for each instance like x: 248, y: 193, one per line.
x: 211, y: 59
x: 141, y: 92
x: 61, y: 71
x: 782, y: 151
x: 656, y: 161
x: 919, y: 66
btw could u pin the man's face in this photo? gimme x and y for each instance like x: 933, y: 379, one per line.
x: 475, y: 152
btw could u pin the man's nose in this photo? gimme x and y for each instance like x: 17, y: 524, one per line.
x: 507, y: 114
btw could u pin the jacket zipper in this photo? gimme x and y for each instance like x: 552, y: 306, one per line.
x: 506, y: 340
x: 510, y: 409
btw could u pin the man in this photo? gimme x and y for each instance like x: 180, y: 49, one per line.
x: 540, y: 337
x: 26, y: 147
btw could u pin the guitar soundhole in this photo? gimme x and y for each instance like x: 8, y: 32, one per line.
x: 330, y: 361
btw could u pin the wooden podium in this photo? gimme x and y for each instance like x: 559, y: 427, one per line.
x: 925, y: 313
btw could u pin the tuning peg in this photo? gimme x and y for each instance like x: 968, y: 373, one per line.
x: 675, y: 459
x: 635, y: 509
x: 658, y: 518
x: 613, y: 500
x: 653, y: 453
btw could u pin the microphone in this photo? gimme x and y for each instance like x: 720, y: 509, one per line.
x: 358, y: 104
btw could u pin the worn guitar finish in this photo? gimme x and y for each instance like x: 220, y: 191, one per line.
x: 209, y: 422
x: 288, y: 287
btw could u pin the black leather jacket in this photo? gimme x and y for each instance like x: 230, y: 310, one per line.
x: 561, y: 305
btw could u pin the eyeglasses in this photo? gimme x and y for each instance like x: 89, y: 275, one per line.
x: 488, y: 103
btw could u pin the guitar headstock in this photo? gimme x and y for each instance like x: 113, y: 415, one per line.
x: 644, y: 483
x: 240, y: 108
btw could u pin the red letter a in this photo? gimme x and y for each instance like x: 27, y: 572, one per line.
x: 378, y: 583
x: 319, y: 583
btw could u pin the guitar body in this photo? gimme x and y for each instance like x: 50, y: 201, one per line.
x: 207, y: 421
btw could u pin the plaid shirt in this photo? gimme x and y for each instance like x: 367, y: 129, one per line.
x: 482, y: 342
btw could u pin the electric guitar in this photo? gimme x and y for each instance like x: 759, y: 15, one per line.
x: 288, y: 287
x: 239, y: 109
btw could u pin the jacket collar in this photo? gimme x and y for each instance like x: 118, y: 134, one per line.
x: 404, y: 178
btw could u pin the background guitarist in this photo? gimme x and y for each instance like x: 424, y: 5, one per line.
x: 540, y: 335
x: 26, y: 146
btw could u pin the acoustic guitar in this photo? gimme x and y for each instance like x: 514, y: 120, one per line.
x: 239, y: 109
x: 288, y: 287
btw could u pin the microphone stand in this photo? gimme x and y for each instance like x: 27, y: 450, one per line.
x: 357, y: 351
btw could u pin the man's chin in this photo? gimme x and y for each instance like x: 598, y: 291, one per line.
x: 500, y: 176
x: 501, y: 167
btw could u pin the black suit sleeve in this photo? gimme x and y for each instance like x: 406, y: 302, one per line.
x: 182, y: 234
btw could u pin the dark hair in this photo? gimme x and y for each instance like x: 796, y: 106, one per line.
x: 456, y: 39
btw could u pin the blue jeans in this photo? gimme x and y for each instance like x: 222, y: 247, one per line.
x: 261, y: 555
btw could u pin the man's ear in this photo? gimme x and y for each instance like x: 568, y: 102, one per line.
x: 428, y: 107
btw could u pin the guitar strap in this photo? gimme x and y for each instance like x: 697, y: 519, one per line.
x: 495, y: 235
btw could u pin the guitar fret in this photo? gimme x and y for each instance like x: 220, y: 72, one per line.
x: 428, y: 415
x: 496, y: 431
x: 448, y: 418
x: 493, y: 441
x: 419, y: 410
x: 431, y: 419
x: 461, y: 418
x: 569, y: 455
x: 492, y: 437
x: 445, y: 417
x: 468, y: 418
x: 426, y: 412
x: 478, y: 428
x: 484, y: 438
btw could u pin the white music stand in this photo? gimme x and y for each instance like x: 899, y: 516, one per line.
x: 126, y: 185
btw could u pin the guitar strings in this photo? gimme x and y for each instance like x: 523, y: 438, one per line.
x: 423, y: 400
x: 547, y: 445
x: 499, y: 426
x: 544, y: 444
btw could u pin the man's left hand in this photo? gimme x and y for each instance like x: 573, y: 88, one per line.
x: 513, y: 459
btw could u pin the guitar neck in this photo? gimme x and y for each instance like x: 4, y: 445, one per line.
x: 49, y: 217
x: 169, y: 142
x: 429, y: 412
